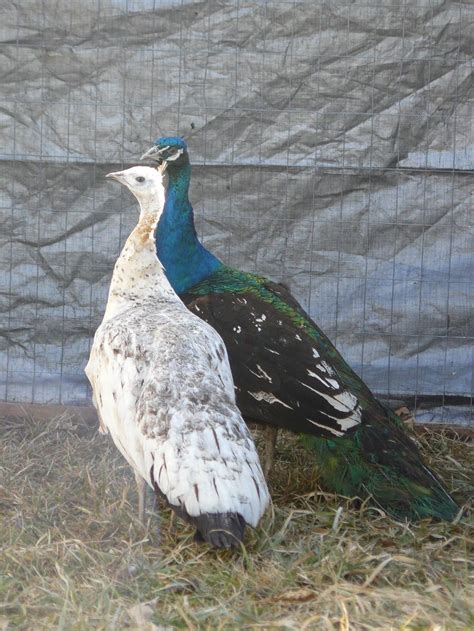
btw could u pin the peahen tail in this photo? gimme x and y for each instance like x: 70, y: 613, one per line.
x: 221, y: 530
x: 380, y: 460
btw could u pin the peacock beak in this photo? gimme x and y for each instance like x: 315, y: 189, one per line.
x: 153, y: 153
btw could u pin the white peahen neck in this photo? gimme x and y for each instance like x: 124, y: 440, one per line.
x: 139, y: 276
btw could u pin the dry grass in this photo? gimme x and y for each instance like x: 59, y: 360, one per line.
x: 74, y: 557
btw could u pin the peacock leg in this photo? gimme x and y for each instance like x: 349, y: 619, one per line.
x: 270, y: 439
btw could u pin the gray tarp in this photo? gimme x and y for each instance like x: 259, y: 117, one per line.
x: 332, y: 143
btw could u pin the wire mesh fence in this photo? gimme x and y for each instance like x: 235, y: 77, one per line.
x: 332, y: 148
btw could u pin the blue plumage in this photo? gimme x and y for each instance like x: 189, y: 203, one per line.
x: 185, y: 259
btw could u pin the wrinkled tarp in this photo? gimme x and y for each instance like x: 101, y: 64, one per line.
x: 332, y: 147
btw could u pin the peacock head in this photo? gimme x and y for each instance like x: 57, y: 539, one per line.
x: 170, y: 150
x: 145, y: 183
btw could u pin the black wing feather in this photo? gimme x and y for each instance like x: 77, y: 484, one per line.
x: 281, y: 375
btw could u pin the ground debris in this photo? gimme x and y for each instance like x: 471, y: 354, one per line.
x: 300, y: 595
x: 72, y: 555
x: 142, y: 613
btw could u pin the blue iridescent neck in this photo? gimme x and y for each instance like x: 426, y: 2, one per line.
x: 185, y: 259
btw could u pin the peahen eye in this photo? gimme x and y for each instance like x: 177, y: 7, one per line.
x: 140, y: 178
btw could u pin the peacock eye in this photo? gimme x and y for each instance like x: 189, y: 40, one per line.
x: 140, y: 178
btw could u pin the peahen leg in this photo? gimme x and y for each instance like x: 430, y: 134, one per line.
x: 270, y: 439
x: 141, y: 488
x: 173, y: 524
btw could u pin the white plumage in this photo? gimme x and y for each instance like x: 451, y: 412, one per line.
x: 163, y: 388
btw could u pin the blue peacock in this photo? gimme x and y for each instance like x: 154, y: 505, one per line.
x: 287, y: 372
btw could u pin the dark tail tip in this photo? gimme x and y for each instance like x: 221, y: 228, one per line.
x: 221, y: 530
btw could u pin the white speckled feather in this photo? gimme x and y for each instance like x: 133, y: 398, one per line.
x: 163, y: 386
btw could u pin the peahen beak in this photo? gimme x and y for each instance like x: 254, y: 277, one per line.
x: 115, y: 175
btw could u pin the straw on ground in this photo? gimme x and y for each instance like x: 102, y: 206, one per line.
x: 73, y: 555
